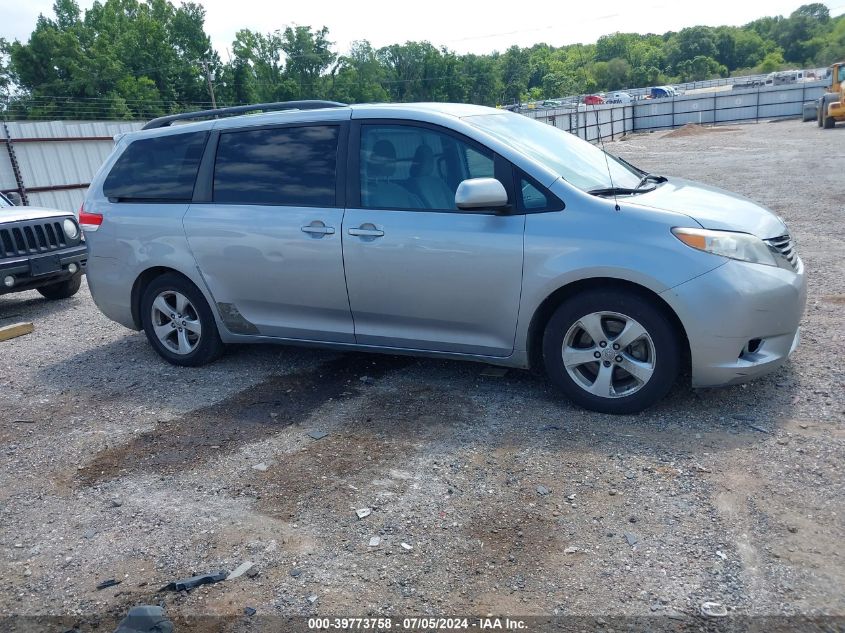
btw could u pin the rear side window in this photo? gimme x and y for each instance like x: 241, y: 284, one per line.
x: 291, y: 166
x: 161, y: 169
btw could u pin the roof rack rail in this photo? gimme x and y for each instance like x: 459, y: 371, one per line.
x: 164, y: 121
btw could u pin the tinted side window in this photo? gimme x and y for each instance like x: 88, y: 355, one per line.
x: 409, y: 167
x: 161, y: 169
x: 293, y: 166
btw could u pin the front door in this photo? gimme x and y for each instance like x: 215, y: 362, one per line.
x: 420, y: 274
x: 268, y: 243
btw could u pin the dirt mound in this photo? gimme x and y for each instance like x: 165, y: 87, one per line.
x: 690, y: 129
x: 694, y: 129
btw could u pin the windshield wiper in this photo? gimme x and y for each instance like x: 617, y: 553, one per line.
x: 650, y: 177
x: 619, y: 191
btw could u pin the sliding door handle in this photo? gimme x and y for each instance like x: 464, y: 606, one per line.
x: 317, y: 228
x: 366, y: 230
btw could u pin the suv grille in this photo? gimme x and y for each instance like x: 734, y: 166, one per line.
x: 786, y: 247
x: 31, y: 238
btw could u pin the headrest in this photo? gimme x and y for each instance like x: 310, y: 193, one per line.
x: 382, y: 160
x: 423, y: 163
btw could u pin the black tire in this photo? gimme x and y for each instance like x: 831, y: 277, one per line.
x: 664, y: 340
x: 63, y: 289
x: 829, y: 122
x: 208, y: 346
x: 824, y: 101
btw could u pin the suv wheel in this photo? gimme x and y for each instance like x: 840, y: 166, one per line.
x: 611, y: 351
x: 63, y: 289
x: 178, y: 322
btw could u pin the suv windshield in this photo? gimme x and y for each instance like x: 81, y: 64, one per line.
x: 4, y: 201
x: 578, y: 162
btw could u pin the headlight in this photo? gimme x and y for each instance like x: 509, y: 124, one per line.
x: 70, y: 228
x: 741, y: 246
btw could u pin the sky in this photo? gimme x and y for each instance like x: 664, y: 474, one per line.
x: 464, y: 27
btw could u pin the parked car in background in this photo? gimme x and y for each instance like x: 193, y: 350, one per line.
x: 663, y: 92
x: 593, y: 100
x: 40, y: 249
x: 446, y: 230
x: 748, y: 83
x: 619, y: 97
x: 785, y: 77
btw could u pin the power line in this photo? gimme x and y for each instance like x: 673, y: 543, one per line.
x: 105, y: 101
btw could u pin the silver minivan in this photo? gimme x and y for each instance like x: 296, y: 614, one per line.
x: 445, y: 230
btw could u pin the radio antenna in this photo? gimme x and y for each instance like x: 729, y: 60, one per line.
x: 598, y: 130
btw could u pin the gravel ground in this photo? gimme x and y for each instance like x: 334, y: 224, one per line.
x: 511, y: 500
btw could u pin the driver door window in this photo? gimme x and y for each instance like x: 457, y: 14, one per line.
x: 409, y: 167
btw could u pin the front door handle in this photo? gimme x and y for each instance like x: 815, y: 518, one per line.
x: 317, y: 228
x: 366, y: 230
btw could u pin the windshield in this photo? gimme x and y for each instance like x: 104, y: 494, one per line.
x: 578, y: 162
x: 4, y: 201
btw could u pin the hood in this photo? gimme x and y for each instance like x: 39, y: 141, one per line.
x: 21, y: 214
x: 713, y: 208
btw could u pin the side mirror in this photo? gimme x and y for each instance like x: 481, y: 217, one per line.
x: 15, y: 198
x: 481, y: 193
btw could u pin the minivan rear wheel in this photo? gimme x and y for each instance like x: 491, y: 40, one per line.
x: 611, y: 351
x: 178, y: 322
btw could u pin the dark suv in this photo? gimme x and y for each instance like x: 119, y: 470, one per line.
x: 40, y: 249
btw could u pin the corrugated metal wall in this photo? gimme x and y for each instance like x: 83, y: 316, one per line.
x: 56, y: 159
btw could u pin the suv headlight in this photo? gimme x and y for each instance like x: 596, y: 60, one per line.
x: 70, y: 229
x: 742, y: 246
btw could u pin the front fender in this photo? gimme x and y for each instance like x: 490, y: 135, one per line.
x: 633, y: 245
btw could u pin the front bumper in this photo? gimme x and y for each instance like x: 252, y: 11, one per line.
x: 741, y: 320
x: 21, y: 269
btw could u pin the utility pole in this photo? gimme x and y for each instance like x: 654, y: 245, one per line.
x: 210, y: 84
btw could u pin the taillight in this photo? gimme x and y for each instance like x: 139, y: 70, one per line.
x: 89, y: 222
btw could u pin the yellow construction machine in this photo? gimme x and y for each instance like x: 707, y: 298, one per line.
x: 832, y: 104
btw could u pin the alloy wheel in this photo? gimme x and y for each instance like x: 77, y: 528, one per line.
x: 176, y: 322
x: 608, y: 354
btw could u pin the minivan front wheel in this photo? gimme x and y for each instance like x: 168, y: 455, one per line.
x: 611, y: 351
x: 178, y: 322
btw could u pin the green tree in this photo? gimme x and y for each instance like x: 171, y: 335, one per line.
x: 771, y: 62
x: 307, y: 55
x: 815, y: 11
x: 5, y: 71
x: 699, y: 68
x: 696, y: 41
x: 124, y: 58
x: 483, y: 84
x: 612, y: 75
x: 514, y: 68
x: 359, y: 77
x: 833, y: 48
